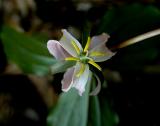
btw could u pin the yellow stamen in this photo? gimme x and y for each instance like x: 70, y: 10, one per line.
x: 82, y: 68
x: 95, y: 64
x: 87, y: 44
x: 97, y: 54
x: 75, y: 47
x: 72, y: 59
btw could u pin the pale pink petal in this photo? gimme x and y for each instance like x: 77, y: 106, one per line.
x: 57, y: 50
x: 98, y: 40
x: 98, y: 88
x: 71, y: 80
x: 67, y: 81
x: 66, y: 42
x: 104, y: 52
x: 80, y: 82
x: 98, y: 46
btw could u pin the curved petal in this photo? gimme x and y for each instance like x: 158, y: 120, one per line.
x: 98, y: 88
x: 98, y: 40
x: 71, y: 80
x: 68, y: 42
x: 101, y: 53
x: 80, y: 82
x: 57, y: 50
x: 67, y: 81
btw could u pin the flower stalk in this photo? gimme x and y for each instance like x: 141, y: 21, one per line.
x: 137, y: 39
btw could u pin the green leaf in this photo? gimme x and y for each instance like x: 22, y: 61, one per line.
x: 28, y: 53
x: 109, y: 118
x: 61, y: 66
x: 95, y: 116
x: 101, y: 111
x: 94, y: 108
x: 71, y: 110
x: 129, y: 20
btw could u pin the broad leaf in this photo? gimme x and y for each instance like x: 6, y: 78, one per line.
x: 30, y: 54
x: 71, y: 110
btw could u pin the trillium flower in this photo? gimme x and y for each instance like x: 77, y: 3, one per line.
x: 69, y: 49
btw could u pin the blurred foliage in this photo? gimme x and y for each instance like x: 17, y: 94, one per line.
x: 109, y: 118
x: 129, y: 21
x: 28, y: 53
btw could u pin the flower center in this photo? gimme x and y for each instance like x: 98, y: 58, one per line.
x: 84, y: 59
x: 83, y: 56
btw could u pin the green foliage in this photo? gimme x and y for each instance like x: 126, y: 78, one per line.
x: 71, y: 110
x: 100, y: 111
x: 108, y: 117
x: 128, y: 21
x: 28, y: 53
x: 95, y: 111
x: 61, y: 66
